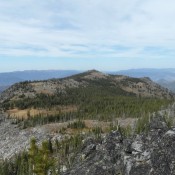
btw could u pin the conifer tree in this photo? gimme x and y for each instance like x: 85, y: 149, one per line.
x: 33, y: 152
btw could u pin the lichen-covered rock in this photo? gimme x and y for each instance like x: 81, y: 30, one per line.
x: 152, y: 153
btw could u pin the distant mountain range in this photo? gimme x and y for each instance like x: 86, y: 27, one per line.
x: 9, y: 78
x: 154, y: 74
x: 165, y: 77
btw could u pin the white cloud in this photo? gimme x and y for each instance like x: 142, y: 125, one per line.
x: 82, y: 28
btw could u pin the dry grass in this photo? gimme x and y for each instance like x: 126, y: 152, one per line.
x: 17, y: 113
x: 96, y: 123
x: 90, y: 124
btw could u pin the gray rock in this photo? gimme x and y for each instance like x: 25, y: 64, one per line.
x: 145, y: 154
x: 13, y: 140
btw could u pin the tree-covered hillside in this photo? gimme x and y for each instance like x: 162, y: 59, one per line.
x: 95, y: 96
x: 89, y: 104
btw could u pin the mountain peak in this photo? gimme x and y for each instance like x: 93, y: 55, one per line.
x: 94, y: 74
x: 93, y: 71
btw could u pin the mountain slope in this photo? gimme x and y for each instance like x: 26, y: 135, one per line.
x: 3, y: 88
x: 167, y: 84
x: 91, y: 94
x: 164, y: 77
x: 144, y: 154
x: 68, y: 111
x: 9, y: 78
x: 91, y: 79
x: 154, y: 74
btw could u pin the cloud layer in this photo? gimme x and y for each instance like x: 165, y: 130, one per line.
x: 87, y: 28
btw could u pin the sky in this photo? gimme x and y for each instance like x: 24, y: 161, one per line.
x: 86, y: 34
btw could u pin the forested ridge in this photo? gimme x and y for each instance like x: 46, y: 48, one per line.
x: 95, y: 97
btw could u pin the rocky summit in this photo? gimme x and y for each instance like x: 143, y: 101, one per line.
x: 152, y: 153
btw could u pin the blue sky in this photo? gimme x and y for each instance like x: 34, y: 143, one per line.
x: 86, y: 34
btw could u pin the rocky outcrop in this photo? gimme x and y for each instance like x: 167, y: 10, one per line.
x: 152, y: 153
x: 14, y: 140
